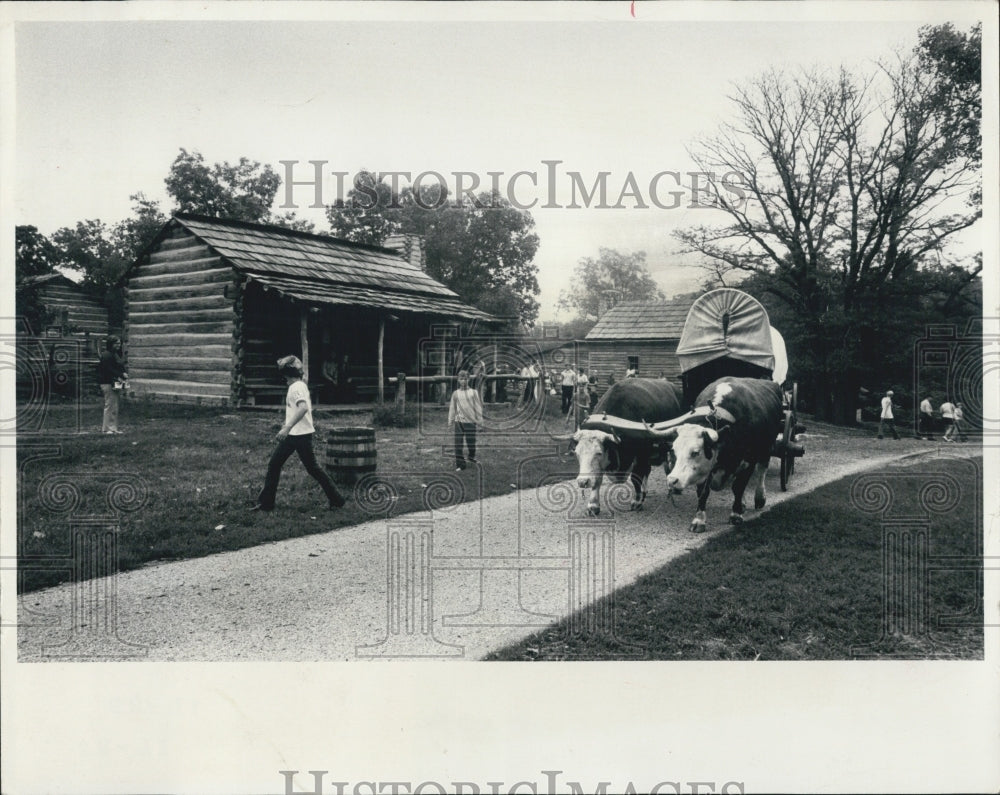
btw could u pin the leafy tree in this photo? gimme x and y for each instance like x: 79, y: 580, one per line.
x: 483, y: 250
x: 847, y: 184
x: 244, y: 190
x: 103, y: 253
x: 576, y: 329
x: 611, y: 278
x: 35, y: 256
x: 369, y: 214
x: 954, y: 58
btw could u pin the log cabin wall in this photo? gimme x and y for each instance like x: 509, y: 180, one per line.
x: 612, y: 357
x: 77, y: 313
x: 179, y: 334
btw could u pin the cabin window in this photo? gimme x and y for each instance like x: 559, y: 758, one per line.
x: 633, y: 364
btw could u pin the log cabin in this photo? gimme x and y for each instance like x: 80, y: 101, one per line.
x: 211, y: 304
x: 65, y: 351
x: 640, y: 336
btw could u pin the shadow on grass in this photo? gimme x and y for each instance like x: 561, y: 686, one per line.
x: 804, y: 581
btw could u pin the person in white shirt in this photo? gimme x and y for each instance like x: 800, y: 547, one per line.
x: 295, y: 436
x: 465, y: 413
x: 568, y: 382
x: 948, y: 418
x: 886, y: 420
x: 959, y: 427
x: 925, y: 428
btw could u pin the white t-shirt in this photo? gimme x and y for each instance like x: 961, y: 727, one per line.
x: 948, y: 411
x: 568, y: 377
x: 297, y: 392
x: 925, y: 406
x: 887, y: 408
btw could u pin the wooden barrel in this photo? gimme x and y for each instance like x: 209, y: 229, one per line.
x: 350, y: 453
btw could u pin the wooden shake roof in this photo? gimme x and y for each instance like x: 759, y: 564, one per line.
x: 643, y: 320
x: 326, y: 270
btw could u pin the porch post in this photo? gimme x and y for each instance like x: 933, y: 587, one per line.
x: 381, y: 342
x: 443, y: 386
x: 493, y: 383
x: 304, y: 339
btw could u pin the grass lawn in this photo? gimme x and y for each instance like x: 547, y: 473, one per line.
x: 803, y: 582
x: 196, y: 471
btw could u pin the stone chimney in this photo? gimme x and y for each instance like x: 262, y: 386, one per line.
x: 410, y: 247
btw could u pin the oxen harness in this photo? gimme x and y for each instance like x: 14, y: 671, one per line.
x: 712, y: 413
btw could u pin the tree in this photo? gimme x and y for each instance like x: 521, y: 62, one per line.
x: 35, y: 256
x: 103, y: 253
x: 483, y: 250
x: 611, y: 278
x: 954, y: 60
x: 849, y: 185
x: 244, y: 191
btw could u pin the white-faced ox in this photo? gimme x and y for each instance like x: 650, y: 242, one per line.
x: 618, y: 453
x: 730, y: 442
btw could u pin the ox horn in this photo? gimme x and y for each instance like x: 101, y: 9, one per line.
x: 668, y: 433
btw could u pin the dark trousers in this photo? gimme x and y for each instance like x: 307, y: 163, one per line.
x: 303, y: 445
x: 926, y: 425
x: 465, y: 431
x: 890, y: 424
x: 567, y: 398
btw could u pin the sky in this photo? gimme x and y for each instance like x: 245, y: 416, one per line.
x: 104, y: 107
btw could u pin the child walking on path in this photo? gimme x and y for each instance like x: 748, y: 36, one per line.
x: 295, y: 436
x: 465, y: 413
x: 887, y: 420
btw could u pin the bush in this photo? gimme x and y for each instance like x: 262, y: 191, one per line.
x: 388, y: 416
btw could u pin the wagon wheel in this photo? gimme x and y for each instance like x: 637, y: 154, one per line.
x: 787, y: 459
x: 788, y: 435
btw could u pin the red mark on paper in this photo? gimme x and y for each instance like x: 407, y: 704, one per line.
x: 632, y: 9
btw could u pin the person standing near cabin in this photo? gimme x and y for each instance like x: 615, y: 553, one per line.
x: 886, y: 419
x: 568, y: 382
x: 465, y: 413
x: 110, y: 375
x: 330, y: 371
x: 295, y: 436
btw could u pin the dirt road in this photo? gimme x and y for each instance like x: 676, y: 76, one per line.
x: 451, y: 584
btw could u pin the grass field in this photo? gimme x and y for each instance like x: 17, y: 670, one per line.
x: 803, y: 582
x: 188, y: 475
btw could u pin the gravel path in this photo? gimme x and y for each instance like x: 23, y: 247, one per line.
x: 491, y: 573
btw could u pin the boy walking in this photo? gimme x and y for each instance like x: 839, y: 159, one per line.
x: 465, y: 413
x: 948, y: 419
x: 887, y: 417
x: 295, y: 436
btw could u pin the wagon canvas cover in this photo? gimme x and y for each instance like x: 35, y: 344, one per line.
x: 729, y: 323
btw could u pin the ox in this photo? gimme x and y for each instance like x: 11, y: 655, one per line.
x: 599, y: 451
x: 728, y: 440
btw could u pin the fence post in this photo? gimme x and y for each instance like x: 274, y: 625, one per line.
x: 401, y: 392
